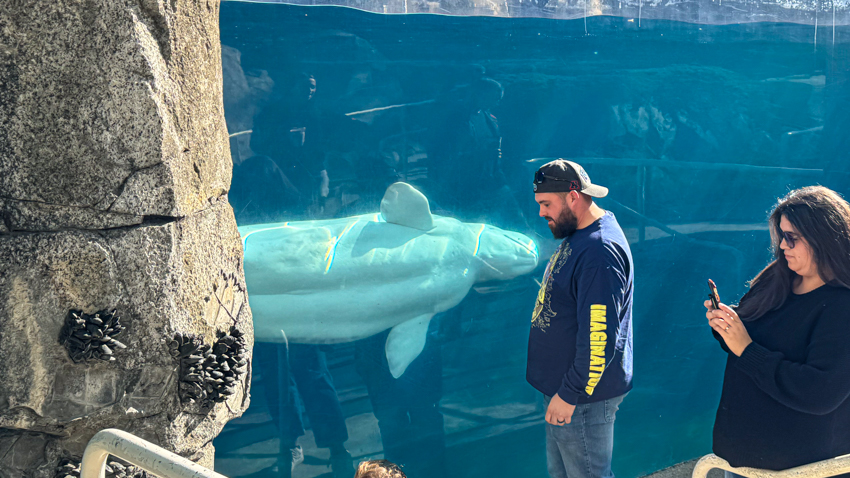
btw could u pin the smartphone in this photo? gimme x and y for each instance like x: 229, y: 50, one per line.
x: 712, y: 294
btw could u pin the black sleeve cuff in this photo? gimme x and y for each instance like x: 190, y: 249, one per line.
x: 752, y: 359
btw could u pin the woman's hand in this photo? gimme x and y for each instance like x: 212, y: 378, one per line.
x: 727, y: 323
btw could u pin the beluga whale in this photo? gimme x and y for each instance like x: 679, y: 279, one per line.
x: 340, y: 280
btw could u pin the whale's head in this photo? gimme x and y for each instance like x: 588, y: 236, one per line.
x: 503, y: 254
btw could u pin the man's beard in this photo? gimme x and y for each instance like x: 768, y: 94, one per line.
x: 565, y: 225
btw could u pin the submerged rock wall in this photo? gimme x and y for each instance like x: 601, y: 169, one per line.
x: 114, y: 170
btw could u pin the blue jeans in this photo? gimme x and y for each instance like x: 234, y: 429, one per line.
x: 583, y: 448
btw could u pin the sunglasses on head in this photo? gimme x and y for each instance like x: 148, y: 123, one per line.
x: 790, y: 238
x: 540, y: 177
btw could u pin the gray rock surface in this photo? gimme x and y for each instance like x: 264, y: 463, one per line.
x: 114, y: 169
x: 109, y: 109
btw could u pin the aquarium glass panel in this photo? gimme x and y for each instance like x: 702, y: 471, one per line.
x: 382, y: 184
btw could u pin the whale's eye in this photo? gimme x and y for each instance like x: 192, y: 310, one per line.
x: 527, y: 247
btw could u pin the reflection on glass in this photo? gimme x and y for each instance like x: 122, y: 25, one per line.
x: 707, y: 12
x: 382, y: 185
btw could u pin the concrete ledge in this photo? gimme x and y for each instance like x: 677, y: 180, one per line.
x: 682, y: 470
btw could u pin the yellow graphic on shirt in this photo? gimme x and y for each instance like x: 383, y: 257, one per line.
x: 543, y: 313
x: 598, y: 341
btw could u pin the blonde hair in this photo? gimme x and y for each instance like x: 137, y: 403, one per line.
x: 379, y: 469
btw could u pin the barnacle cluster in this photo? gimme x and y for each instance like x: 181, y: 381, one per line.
x: 209, y: 374
x: 91, y: 336
x: 70, y: 468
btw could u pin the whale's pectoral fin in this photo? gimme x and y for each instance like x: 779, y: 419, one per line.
x: 405, y: 343
x: 404, y: 205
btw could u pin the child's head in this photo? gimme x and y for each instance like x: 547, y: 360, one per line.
x: 379, y: 469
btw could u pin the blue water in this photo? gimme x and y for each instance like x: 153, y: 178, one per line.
x: 695, y: 129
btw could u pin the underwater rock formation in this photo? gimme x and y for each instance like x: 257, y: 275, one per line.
x: 245, y: 93
x: 340, y: 280
x: 114, y: 169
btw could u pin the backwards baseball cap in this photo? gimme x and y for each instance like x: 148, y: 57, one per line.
x: 561, y: 175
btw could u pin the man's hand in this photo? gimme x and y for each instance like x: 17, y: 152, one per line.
x: 559, y: 412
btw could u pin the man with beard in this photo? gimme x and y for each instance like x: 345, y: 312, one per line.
x: 580, y: 345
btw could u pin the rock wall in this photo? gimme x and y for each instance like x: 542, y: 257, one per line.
x: 114, y: 170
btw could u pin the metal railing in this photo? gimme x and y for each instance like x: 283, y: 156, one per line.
x: 820, y: 469
x: 140, y: 453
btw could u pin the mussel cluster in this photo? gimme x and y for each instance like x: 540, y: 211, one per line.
x: 209, y: 374
x: 69, y: 468
x: 91, y: 336
x: 115, y: 469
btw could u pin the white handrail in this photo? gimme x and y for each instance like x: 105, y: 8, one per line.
x: 138, y: 452
x: 820, y: 469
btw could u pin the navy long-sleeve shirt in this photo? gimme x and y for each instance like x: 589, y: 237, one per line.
x: 580, y: 345
x: 785, y: 399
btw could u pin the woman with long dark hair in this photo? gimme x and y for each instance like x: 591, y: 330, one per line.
x: 787, y: 380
